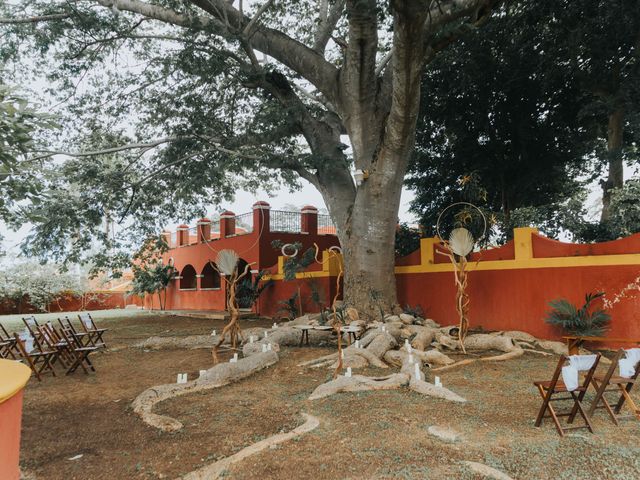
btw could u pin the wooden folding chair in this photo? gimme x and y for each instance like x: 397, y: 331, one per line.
x: 54, y: 341
x: 38, y: 359
x: 95, y: 334
x: 83, y: 337
x: 610, y: 382
x: 8, y: 349
x: 31, y: 325
x: 79, y: 351
x: 548, y: 391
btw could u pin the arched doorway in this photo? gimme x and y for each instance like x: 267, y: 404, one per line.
x: 188, y: 280
x: 210, y: 277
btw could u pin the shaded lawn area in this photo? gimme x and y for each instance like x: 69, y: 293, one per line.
x: 372, y: 435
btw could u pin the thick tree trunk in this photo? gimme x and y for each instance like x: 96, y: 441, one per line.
x: 379, y: 114
x: 615, y: 175
x: 367, y: 238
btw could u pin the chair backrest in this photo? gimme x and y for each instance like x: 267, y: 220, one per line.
x: 557, y: 372
x: 69, y: 335
x: 611, y: 371
x: 574, y: 368
x: 87, y: 321
x: 26, y: 343
x: 32, y: 325
x: 47, y: 337
x: 31, y: 320
x: 630, y: 363
x: 4, y: 335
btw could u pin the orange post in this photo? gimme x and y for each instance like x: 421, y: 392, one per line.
x: 13, y: 377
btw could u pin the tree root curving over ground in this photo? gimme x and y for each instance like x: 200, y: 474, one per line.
x: 217, y: 376
x: 378, y: 347
x: 216, y: 470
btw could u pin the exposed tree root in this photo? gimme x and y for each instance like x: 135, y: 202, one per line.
x: 215, y: 470
x: 359, y: 383
x: 191, y: 341
x: 432, y: 357
x: 217, y: 376
x: 429, y: 389
x: 516, y: 352
x: 284, y: 336
x: 544, y: 354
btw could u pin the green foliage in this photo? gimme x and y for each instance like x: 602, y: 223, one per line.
x: 290, y: 306
x: 624, y: 219
x: 585, y: 321
x: 504, y: 135
x: 407, y: 240
x: 249, y: 289
x: 187, y: 85
x: 416, y: 311
x: 150, y: 279
x: 317, y: 295
x: 297, y: 264
x: 328, y: 313
x: 39, y: 285
x: 523, y: 128
x: 150, y: 275
x: 19, y: 123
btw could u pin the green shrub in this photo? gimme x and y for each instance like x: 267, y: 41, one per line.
x: 585, y: 321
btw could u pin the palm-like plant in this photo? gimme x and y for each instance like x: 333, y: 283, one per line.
x: 585, y: 321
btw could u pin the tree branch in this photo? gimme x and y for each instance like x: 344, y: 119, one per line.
x: 165, y: 14
x: 448, y: 11
x: 327, y: 25
x: 247, y: 30
x: 289, y: 52
x: 130, y: 146
x: 37, y: 19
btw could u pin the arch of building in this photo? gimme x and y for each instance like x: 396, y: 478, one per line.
x: 243, y: 293
x: 188, y: 278
x: 209, y: 277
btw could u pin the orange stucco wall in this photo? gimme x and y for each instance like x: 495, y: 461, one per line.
x: 518, y: 299
x: 510, y: 287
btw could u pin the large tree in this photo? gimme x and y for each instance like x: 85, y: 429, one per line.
x: 545, y: 97
x: 600, y: 41
x: 226, y: 93
x: 507, y: 134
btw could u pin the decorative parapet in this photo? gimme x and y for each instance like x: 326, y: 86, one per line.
x: 331, y: 266
x: 524, y: 256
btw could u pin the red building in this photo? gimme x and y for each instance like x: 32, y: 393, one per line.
x: 198, y: 285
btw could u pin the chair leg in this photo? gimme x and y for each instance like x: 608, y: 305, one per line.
x: 546, y: 404
x: 600, y: 397
x: 578, y: 405
x: 543, y: 408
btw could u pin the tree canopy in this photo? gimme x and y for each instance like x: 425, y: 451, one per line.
x: 215, y: 95
x: 522, y: 130
x: 18, y: 123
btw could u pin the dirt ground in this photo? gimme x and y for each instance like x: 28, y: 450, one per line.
x: 373, y: 435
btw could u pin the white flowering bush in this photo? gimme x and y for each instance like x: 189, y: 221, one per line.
x: 32, y: 283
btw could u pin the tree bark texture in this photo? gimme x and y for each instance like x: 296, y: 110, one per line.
x: 615, y: 174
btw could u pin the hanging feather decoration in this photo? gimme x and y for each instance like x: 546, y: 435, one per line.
x: 226, y: 260
x: 461, y: 241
